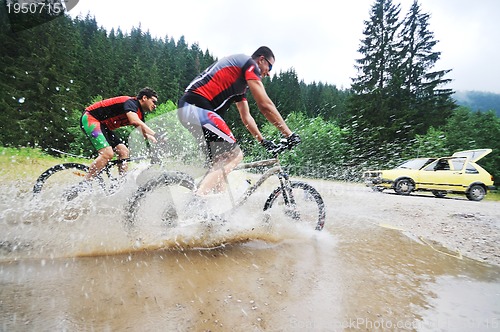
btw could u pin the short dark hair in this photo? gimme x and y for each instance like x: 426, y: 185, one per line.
x: 265, y: 51
x: 148, y: 92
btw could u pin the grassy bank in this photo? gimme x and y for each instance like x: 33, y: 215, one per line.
x: 27, y: 164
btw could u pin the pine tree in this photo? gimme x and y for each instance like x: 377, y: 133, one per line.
x: 428, y: 103
x: 372, y: 110
x: 38, y: 71
x: 396, y: 95
x: 372, y: 88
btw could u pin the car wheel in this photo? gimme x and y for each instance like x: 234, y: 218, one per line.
x: 404, y: 186
x: 439, y: 194
x: 476, y: 192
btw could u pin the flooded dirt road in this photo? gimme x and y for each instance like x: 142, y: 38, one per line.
x: 66, y: 270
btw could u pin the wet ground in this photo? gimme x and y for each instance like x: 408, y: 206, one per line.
x: 80, y: 270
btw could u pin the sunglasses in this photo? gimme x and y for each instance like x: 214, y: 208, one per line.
x: 269, y: 63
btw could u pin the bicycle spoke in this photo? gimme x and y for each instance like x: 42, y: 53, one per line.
x: 304, y: 206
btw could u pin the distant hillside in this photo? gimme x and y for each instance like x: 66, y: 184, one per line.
x: 478, y: 101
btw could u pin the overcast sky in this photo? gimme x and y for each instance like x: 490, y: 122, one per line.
x: 318, y: 38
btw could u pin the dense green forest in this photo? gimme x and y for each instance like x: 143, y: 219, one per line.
x: 396, y: 108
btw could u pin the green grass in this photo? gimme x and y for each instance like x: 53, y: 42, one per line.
x: 28, y: 163
x: 493, y: 196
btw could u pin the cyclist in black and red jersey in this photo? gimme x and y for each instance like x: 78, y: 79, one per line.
x: 100, y: 119
x: 208, y: 97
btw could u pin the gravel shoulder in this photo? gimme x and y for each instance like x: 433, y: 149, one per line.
x: 470, y: 229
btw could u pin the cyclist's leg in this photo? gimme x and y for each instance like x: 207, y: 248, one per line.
x: 105, y: 155
x: 217, y: 141
x: 123, y: 153
x: 189, y: 117
x: 224, y: 151
x: 100, y: 138
x: 223, y: 163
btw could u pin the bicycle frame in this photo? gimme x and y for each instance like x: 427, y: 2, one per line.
x: 153, y: 157
x: 277, y: 169
x: 283, y: 195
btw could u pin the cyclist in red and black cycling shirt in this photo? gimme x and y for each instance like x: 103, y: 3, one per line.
x: 208, y: 97
x: 100, y: 119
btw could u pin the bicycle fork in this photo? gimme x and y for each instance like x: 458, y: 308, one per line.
x: 288, y: 198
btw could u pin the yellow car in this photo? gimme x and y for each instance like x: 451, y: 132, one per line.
x: 458, y: 174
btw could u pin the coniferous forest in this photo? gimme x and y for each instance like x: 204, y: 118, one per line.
x: 398, y: 106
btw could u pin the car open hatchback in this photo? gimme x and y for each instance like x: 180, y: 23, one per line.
x: 458, y: 174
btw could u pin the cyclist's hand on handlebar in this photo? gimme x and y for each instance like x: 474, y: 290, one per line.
x: 151, y: 138
x: 270, y: 146
x: 290, y: 141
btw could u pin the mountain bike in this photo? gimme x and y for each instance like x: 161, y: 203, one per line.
x: 66, y: 180
x: 162, y: 200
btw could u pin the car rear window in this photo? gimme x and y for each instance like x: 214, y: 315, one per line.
x: 471, y: 169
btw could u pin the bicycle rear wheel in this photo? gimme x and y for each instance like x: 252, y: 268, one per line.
x: 62, y: 181
x: 57, y: 179
x: 301, y: 204
x: 156, y: 205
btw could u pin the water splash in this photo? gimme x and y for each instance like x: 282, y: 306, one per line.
x: 93, y: 225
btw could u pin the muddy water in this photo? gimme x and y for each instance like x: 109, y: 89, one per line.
x: 78, y: 269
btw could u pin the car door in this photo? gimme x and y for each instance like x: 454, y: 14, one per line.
x: 443, y: 174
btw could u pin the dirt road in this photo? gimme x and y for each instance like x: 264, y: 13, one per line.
x: 471, y: 229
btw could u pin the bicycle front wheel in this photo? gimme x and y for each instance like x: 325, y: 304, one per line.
x: 157, y: 204
x: 300, y: 203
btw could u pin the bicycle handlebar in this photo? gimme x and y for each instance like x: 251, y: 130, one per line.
x: 280, y: 149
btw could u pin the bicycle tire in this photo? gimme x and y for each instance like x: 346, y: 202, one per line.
x: 153, y: 203
x: 74, y: 173
x: 309, y: 207
x: 60, y: 178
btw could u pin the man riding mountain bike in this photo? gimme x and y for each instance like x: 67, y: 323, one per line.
x: 207, y: 98
x: 99, y: 121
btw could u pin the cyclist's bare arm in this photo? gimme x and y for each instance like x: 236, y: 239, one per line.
x: 147, y: 132
x: 267, y: 107
x: 248, y: 120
